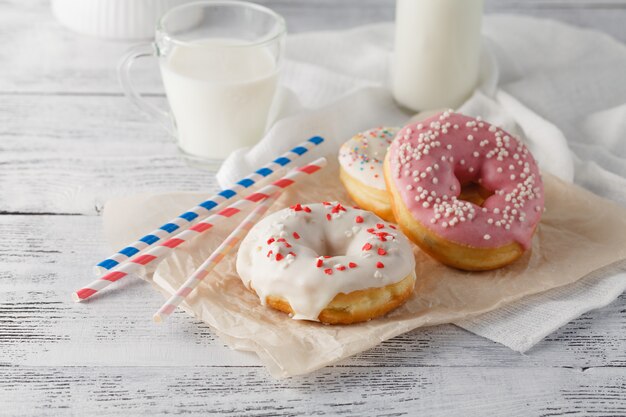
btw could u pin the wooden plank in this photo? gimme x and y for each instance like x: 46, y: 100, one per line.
x: 66, y: 155
x: 51, y: 391
x: 87, y: 125
x: 72, y: 184
x: 45, y: 258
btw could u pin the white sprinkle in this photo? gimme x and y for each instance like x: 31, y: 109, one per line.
x: 487, y: 237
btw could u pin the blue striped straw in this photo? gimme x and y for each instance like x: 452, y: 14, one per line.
x: 204, y: 208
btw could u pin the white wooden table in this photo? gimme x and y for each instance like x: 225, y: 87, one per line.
x: 69, y: 141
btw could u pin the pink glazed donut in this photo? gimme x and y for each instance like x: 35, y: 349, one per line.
x: 468, y: 193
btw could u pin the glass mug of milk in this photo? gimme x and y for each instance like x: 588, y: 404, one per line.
x: 219, y: 62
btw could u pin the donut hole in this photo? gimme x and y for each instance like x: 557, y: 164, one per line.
x: 474, y: 193
x: 332, y: 249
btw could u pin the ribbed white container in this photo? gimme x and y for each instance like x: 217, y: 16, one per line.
x: 112, y: 19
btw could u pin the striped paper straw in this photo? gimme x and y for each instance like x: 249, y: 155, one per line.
x: 216, y: 257
x: 204, y: 208
x: 163, y: 249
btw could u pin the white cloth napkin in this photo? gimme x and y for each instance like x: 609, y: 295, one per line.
x: 561, y: 87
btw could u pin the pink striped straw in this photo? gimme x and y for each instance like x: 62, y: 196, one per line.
x: 212, y: 261
x: 162, y: 250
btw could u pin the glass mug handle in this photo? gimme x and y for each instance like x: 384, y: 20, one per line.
x: 123, y: 71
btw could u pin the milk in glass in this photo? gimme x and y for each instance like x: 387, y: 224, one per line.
x: 220, y: 92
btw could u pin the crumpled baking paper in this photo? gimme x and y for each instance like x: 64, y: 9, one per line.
x: 578, y: 234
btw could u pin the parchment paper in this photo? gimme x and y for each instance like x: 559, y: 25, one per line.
x: 579, y: 233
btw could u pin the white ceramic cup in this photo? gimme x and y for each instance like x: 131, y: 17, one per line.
x: 112, y: 19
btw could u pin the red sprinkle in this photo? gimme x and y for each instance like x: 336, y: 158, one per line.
x: 328, y: 217
x: 296, y: 235
x: 379, y: 225
x: 292, y: 254
x: 367, y: 246
x: 392, y: 226
x: 358, y: 219
x: 326, y: 203
x: 281, y: 239
x: 279, y: 256
x: 270, y: 241
x: 338, y: 208
x: 341, y: 268
x: 328, y: 271
x: 307, y: 209
x: 297, y: 207
x: 269, y: 253
x: 319, y: 263
x: 352, y: 265
x: 326, y: 257
x: 380, y: 265
x: 382, y: 252
x: 370, y: 230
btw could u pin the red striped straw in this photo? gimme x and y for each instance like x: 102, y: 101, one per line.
x: 212, y: 261
x: 162, y: 250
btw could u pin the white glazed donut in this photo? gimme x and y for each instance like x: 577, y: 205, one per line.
x: 326, y: 262
x: 361, y: 159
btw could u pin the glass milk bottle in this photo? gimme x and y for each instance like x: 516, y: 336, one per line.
x: 437, y: 52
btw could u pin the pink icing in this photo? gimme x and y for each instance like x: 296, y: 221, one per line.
x: 430, y: 160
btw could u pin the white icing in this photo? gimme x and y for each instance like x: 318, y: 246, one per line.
x: 362, y: 156
x: 295, y: 275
